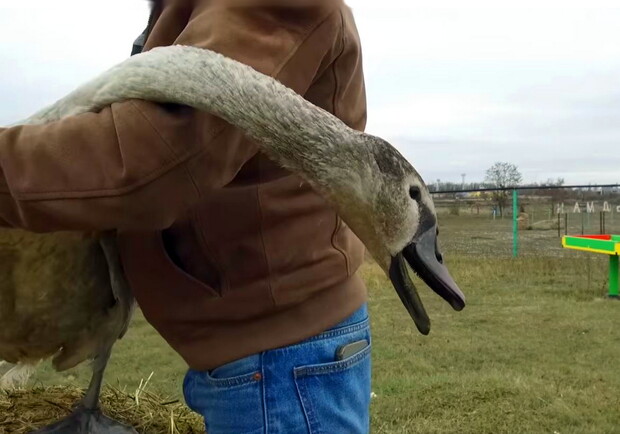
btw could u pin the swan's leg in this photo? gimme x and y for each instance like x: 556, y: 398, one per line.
x: 87, y: 417
x: 91, y: 398
x: 120, y: 286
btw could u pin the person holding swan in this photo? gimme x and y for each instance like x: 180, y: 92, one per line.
x: 245, y: 270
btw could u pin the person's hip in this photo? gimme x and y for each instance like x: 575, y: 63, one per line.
x: 321, y: 384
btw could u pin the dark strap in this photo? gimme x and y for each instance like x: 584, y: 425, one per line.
x: 138, y: 44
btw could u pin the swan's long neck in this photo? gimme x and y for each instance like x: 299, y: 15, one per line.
x: 292, y: 131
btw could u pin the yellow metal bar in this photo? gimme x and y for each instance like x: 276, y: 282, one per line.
x: 587, y: 249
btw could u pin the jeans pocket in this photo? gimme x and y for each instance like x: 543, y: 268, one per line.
x: 227, y: 404
x: 235, y: 371
x: 336, y: 396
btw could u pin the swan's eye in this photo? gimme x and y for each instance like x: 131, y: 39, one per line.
x: 414, y: 193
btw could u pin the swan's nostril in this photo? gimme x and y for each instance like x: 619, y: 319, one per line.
x: 439, y: 257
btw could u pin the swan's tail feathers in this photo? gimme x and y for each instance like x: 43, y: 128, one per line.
x: 17, y: 376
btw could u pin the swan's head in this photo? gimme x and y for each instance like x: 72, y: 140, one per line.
x: 391, y: 210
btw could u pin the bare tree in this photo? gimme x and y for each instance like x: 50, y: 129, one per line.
x: 502, y: 175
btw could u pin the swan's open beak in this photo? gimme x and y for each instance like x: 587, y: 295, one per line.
x: 424, y: 257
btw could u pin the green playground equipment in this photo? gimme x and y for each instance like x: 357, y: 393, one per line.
x: 605, y: 244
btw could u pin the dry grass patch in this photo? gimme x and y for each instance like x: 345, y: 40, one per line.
x: 22, y: 411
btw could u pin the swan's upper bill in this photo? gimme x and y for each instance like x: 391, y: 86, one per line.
x: 374, y: 188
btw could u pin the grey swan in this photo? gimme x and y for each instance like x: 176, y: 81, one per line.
x: 373, y: 187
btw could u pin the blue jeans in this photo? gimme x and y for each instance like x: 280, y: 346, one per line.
x: 299, y: 389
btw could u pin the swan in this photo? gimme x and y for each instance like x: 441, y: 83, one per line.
x: 373, y: 187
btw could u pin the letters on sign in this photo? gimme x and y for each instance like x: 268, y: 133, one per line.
x: 588, y: 207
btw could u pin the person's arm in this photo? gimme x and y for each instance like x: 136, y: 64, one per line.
x: 130, y: 166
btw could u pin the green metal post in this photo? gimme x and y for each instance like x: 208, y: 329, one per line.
x: 614, y: 283
x: 515, y: 224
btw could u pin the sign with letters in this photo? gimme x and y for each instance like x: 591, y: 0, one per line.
x: 587, y: 207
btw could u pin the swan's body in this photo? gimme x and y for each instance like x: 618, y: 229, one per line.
x: 374, y: 188
x: 55, y: 298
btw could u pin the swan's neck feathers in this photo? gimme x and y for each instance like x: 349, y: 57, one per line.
x: 298, y: 135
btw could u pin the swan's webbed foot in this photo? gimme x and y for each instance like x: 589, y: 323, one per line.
x: 87, y: 417
x: 85, y: 421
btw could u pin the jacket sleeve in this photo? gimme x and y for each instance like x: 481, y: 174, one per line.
x: 133, y: 165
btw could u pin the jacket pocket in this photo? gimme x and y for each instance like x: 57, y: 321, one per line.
x: 347, y: 243
x: 191, y: 259
x: 335, y: 396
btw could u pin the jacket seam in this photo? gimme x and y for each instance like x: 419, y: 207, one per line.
x: 115, y: 191
x: 334, y: 69
x: 186, y: 169
x: 209, y: 253
x: 338, y: 227
x: 161, y: 137
x: 262, y: 236
x: 339, y: 249
x: 301, y: 42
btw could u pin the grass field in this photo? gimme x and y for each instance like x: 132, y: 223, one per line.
x: 537, y: 350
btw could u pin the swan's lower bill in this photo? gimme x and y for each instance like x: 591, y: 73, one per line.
x: 425, y: 259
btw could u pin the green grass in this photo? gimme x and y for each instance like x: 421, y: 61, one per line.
x: 537, y: 350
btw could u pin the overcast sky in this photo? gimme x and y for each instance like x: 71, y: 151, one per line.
x: 455, y: 85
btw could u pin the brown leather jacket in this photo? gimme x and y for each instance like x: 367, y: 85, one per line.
x: 227, y: 253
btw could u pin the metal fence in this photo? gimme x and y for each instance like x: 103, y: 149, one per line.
x: 525, y: 220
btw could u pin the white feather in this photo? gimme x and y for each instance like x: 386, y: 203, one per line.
x: 17, y: 376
